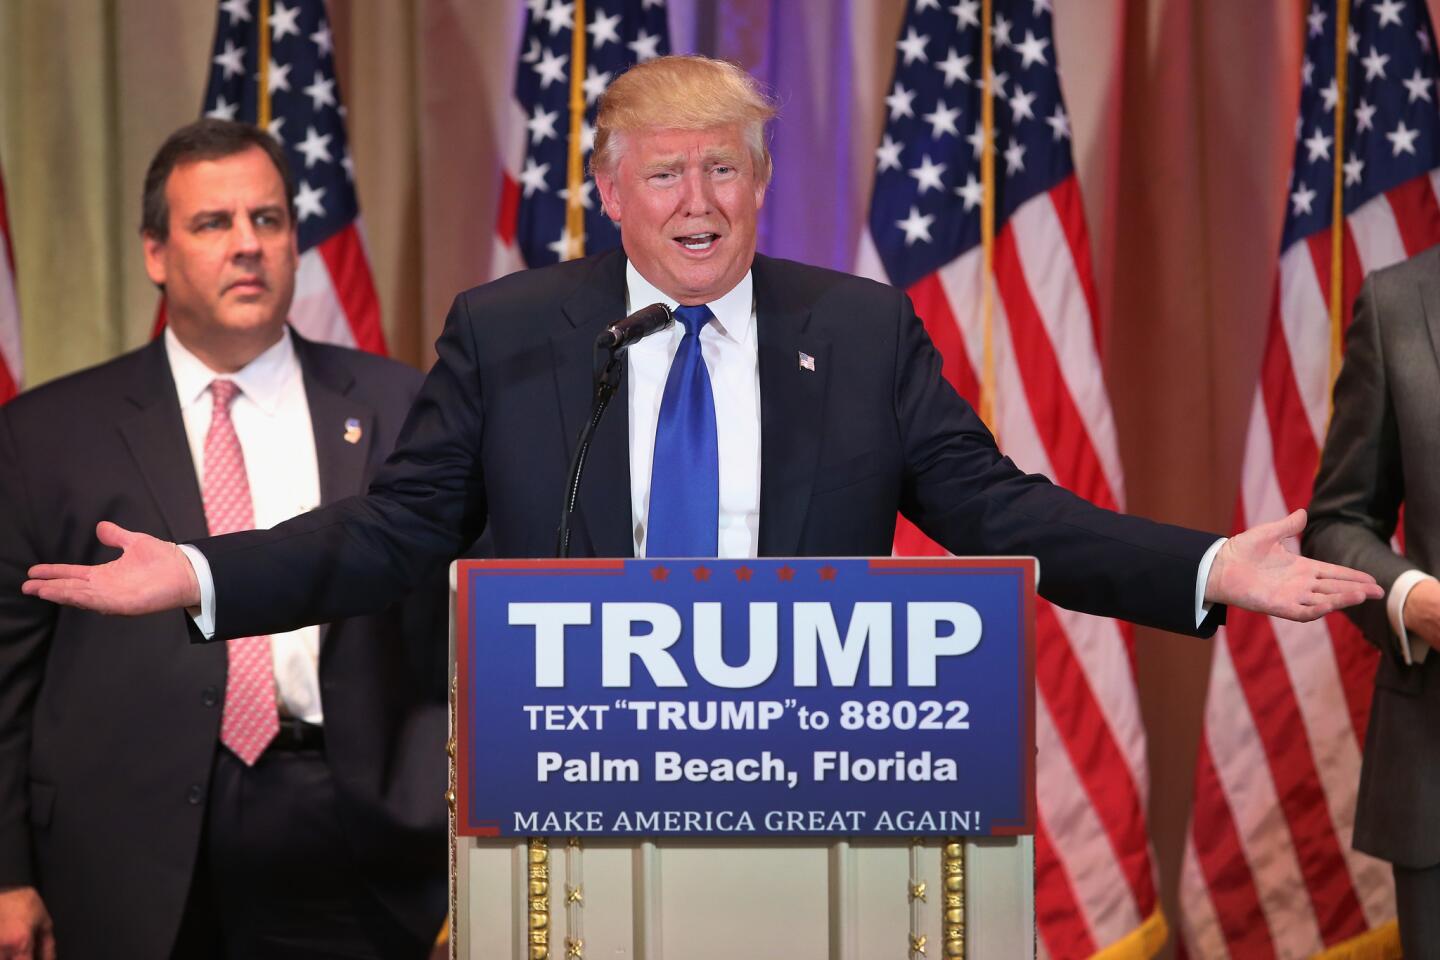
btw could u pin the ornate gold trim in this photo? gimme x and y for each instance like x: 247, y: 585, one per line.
x: 915, y: 895
x: 952, y: 874
x: 574, y: 900
x: 538, y: 898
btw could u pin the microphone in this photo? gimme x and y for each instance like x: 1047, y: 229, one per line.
x: 638, y: 325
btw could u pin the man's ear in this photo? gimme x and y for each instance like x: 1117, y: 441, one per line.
x: 609, y: 196
x: 154, y: 249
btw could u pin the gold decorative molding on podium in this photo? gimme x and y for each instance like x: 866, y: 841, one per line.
x: 915, y: 896
x: 538, y: 899
x: 952, y: 876
x: 574, y: 900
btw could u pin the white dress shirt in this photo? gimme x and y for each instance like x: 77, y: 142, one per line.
x: 272, y: 421
x: 1395, y: 610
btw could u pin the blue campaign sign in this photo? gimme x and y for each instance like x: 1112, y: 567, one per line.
x: 756, y: 697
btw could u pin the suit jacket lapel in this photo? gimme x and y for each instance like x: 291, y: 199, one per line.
x: 344, y: 426
x: 792, y: 406
x: 154, y: 430
x: 604, y: 502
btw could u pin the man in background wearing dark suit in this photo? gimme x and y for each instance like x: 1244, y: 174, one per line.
x: 277, y: 796
x: 1382, y: 451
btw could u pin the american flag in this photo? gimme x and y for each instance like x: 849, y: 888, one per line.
x: 335, y: 298
x: 1094, y: 879
x: 618, y: 34
x: 1268, y: 868
x: 10, y: 366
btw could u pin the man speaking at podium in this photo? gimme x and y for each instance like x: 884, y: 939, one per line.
x: 791, y: 411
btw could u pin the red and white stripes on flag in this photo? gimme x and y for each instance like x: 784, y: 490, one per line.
x: 1095, y: 883
x: 10, y: 363
x: 1268, y: 868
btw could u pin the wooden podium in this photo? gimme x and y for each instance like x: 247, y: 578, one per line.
x: 639, y: 769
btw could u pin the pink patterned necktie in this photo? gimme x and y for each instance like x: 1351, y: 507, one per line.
x: 251, y: 718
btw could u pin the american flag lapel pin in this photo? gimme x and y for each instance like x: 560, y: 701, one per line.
x: 353, y: 430
x: 807, y: 362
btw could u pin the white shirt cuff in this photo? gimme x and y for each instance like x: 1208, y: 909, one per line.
x: 203, y: 615
x: 1395, y: 610
x: 1202, y: 577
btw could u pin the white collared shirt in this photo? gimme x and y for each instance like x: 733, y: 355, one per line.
x: 728, y: 345
x: 272, y: 421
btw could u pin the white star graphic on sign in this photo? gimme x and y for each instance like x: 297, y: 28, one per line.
x: 1000, y: 33
x: 1402, y: 140
x: 279, y: 76
x: 967, y: 14
x: 1418, y: 86
x: 1307, y: 73
x: 585, y: 200
x: 232, y: 60
x: 1354, y: 169
x: 1330, y: 95
x: 923, y: 5
x: 1388, y: 11
x: 887, y: 155
x: 307, y: 202
x: 1038, y: 7
x: 587, y: 136
x: 315, y: 147
x: 551, y: 68
x: 942, y: 120
x: 282, y: 22
x: 1364, y: 116
x: 322, y: 39
x: 542, y: 124
x: 916, y: 226
x: 973, y: 193
x: 602, y: 29
x: 1059, y: 122
x: 1302, y: 199
x: 560, y: 16
x: 1020, y: 104
x: 349, y: 166
x: 533, y: 53
x: 532, y: 178
x: 927, y: 175
x: 644, y: 46
x: 1015, y: 157
x: 1032, y: 51
x: 900, y: 101
x: 955, y: 67
x: 273, y: 128
x: 1317, y: 22
x: 222, y: 110
x: 1352, y: 41
x: 321, y: 92
x: 998, y: 89
x: 977, y: 139
x: 594, y: 84
x: 236, y: 10
x: 567, y: 247
x: 536, y: 8
x: 913, y: 47
x: 1319, y: 145
x: 1375, y: 64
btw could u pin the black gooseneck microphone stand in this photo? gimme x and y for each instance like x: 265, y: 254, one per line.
x: 610, y: 348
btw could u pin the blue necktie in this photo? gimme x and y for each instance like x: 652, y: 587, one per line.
x: 685, y: 477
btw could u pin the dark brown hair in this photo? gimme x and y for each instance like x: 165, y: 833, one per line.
x: 207, y: 139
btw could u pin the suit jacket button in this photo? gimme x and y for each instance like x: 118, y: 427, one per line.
x: 210, y: 696
x: 195, y: 794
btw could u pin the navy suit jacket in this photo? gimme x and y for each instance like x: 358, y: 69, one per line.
x: 873, y: 429
x: 108, y: 725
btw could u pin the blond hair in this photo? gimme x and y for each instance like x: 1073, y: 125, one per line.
x: 682, y: 93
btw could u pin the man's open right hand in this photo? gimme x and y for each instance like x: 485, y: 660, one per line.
x: 150, y: 576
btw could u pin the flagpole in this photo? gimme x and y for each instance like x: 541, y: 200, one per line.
x: 262, y: 73
x: 987, y: 222
x: 1337, y: 203
x: 575, y: 167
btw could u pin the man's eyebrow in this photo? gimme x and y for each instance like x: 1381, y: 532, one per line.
x: 664, y: 163
x: 201, y: 215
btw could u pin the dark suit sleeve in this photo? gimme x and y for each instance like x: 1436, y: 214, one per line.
x: 1360, y: 486
x: 970, y: 498
x: 26, y: 625
x: 357, y: 556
